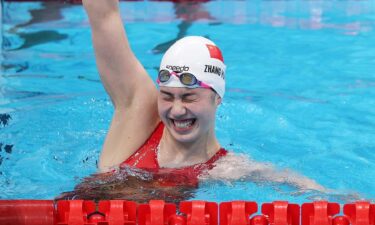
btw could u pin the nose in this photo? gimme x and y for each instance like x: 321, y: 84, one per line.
x: 178, y: 109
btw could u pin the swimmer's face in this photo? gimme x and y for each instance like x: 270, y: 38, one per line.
x: 188, y: 113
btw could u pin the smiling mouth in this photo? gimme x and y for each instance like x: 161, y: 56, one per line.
x: 183, y: 124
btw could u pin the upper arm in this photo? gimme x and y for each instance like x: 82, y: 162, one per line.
x: 130, y: 88
x: 121, y: 72
x: 126, y: 134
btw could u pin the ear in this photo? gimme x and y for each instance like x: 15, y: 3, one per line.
x: 217, y: 100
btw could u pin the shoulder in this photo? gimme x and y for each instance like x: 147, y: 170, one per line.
x: 240, y: 167
x: 234, y: 166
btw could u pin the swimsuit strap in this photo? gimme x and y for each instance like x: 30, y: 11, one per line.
x: 199, y: 168
x: 222, y: 152
x: 145, y: 156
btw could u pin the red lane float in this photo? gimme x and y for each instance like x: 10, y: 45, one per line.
x: 157, y: 212
x: 319, y: 213
x: 237, y: 212
x: 281, y: 212
x: 27, y: 212
x: 360, y: 213
x: 200, y: 212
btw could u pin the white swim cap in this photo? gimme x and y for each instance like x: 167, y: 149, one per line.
x: 198, y: 56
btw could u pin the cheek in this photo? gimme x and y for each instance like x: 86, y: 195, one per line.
x: 163, y: 108
x: 206, y: 112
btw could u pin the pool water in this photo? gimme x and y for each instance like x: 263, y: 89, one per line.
x: 300, y: 92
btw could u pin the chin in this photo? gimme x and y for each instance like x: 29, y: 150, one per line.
x: 184, y: 138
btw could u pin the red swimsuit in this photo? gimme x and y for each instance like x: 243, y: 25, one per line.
x: 146, y: 158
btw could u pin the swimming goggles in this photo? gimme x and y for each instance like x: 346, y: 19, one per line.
x: 187, y: 79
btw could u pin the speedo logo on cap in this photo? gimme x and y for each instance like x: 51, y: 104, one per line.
x: 178, y: 68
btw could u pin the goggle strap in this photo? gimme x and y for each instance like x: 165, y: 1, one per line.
x: 197, y: 82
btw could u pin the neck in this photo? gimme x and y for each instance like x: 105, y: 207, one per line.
x: 173, y: 153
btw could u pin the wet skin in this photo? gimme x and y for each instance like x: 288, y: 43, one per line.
x: 188, y: 114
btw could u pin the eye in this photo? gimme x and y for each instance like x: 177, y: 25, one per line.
x: 167, y: 97
x: 190, y: 98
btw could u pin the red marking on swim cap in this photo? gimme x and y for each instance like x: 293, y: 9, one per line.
x: 215, y: 52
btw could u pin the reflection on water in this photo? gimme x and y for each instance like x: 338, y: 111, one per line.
x: 294, y: 14
x: 40, y: 37
x: 354, y: 16
x: 49, y: 11
x: 188, y: 13
x: 19, y: 67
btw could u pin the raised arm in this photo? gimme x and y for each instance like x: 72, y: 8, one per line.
x: 132, y: 91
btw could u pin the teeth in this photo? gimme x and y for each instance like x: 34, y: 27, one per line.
x: 183, y: 124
